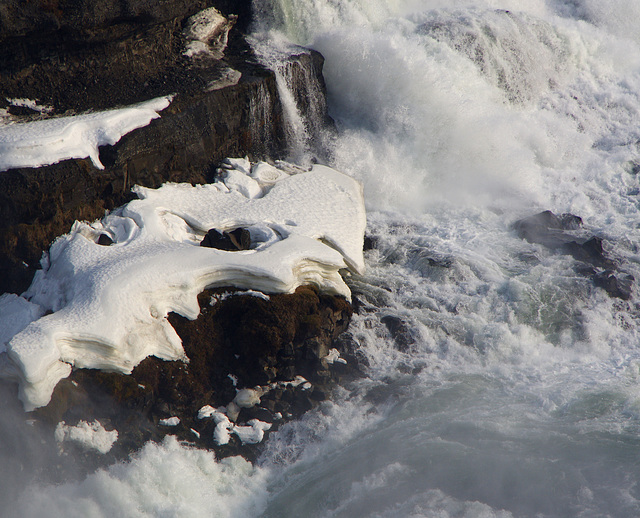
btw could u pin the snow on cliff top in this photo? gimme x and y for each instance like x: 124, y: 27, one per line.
x: 45, y: 142
x: 108, y: 305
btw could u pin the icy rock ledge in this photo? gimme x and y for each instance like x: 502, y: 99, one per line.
x: 45, y: 142
x: 108, y: 305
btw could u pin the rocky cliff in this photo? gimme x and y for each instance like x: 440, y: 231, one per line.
x: 76, y: 56
x: 68, y: 57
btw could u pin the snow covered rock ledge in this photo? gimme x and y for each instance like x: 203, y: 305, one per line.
x: 109, y: 304
x: 50, y: 141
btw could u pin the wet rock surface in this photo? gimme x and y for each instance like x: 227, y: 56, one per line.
x: 557, y: 233
x: 239, y: 341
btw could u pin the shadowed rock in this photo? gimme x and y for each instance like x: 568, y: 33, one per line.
x: 400, y: 332
x: 548, y: 229
x: 554, y: 232
x: 615, y: 284
x: 237, y: 239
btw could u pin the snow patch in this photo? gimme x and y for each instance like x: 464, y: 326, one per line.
x: 170, y: 421
x: 252, y: 433
x: 207, y: 32
x: 45, y: 142
x: 206, y: 411
x: 333, y: 356
x: 224, y: 296
x: 89, y: 436
x: 266, y: 174
x: 248, y: 398
x: 16, y: 313
x: 32, y: 105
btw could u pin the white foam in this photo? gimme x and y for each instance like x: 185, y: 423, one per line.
x: 110, y: 303
x: 469, y: 117
x: 167, y: 479
x: 45, y: 142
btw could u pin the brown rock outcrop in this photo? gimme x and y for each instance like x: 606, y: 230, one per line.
x: 238, y: 342
x: 74, y: 55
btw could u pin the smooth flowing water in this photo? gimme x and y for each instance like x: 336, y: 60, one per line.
x: 510, y: 385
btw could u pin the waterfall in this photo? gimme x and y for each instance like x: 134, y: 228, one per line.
x: 298, y: 73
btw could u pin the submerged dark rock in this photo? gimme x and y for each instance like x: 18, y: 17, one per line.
x: 616, y: 284
x: 590, y: 251
x: 548, y: 229
x: 400, y: 332
x: 554, y: 233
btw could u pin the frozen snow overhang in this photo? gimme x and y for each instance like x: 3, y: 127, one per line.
x: 109, y: 304
x: 46, y: 142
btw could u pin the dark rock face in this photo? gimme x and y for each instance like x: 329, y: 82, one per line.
x: 90, y: 57
x: 242, y: 340
x: 237, y: 239
x: 20, y: 18
x: 76, y: 55
x: 554, y: 232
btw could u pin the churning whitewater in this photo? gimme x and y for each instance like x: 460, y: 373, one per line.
x: 499, y: 381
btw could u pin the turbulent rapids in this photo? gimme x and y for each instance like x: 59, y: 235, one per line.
x: 499, y: 379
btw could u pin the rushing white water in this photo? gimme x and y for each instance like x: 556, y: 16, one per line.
x: 512, y: 386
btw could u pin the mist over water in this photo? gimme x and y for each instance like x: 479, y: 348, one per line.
x: 498, y: 382
x: 509, y: 385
